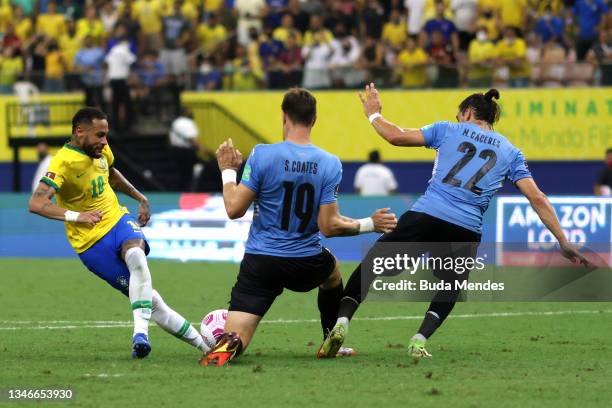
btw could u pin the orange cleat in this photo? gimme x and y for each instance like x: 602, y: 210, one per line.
x: 228, y: 347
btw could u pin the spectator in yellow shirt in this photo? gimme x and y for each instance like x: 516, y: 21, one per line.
x: 243, y: 77
x: 6, y: 15
x: 188, y: 9
x: 22, y: 23
x: 430, y: 9
x: 212, y: 6
x: 211, y: 34
x: 481, y: 57
x: 512, y: 53
x: 411, y: 64
x: 70, y: 44
x: 149, y: 13
x: 286, y: 29
x: 51, y: 24
x: 315, y: 27
x: 488, y: 18
x: 91, y: 26
x: 55, y: 66
x: 513, y: 13
x: 11, y: 65
x: 395, y: 31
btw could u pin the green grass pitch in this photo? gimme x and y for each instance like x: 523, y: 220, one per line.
x: 528, y: 357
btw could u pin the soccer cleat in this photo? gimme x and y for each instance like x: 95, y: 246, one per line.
x: 346, y: 352
x: 333, y: 343
x: 228, y: 347
x: 416, y: 349
x: 142, y: 347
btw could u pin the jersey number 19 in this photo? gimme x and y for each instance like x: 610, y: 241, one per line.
x: 304, y: 204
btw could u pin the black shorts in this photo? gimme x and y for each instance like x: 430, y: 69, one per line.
x: 263, y: 277
x: 438, y: 237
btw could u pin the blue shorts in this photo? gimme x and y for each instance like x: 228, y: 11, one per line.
x: 104, y: 257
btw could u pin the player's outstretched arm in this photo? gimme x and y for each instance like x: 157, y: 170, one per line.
x: 395, y: 135
x: 118, y: 182
x: 333, y: 224
x: 237, y: 198
x: 41, y: 204
x: 545, y: 211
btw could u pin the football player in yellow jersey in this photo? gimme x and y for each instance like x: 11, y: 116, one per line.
x: 106, y: 237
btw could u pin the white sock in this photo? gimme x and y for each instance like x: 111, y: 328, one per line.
x: 419, y: 336
x: 175, y: 324
x: 140, y: 290
x: 343, y: 321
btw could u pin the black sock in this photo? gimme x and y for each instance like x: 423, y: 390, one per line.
x: 329, y: 302
x: 351, y: 298
x: 438, y: 312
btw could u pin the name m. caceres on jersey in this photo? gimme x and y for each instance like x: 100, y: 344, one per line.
x: 470, y: 167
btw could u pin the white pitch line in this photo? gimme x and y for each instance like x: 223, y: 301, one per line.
x: 103, y: 375
x: 122, y: 324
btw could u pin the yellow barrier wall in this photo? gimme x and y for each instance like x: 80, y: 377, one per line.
x: 29, y: 154
x: 547, y: 124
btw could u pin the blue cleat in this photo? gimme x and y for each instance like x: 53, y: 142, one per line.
x: 142, y: 347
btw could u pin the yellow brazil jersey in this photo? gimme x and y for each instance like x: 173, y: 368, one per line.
x: 148, y: 13
x: 70, y: 46
x: 479, y: 52
x: 282, y: 34
x: 93, y: 28
x: 309, y: 37
x: 395, y: 34
x: 512, y: 12
x: 52, y: 25
x: 517, y: 50
x: 82, y: 185
x: 412, y: 67
x: 6, y: 15
x: 210, y: 37
x: 23, y: 28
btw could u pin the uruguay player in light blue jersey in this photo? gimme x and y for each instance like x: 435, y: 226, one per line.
x: 294, y: 186
x: 472, y: 162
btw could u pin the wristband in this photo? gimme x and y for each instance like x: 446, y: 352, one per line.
x: 71, y: 216
x: 228, y: 176
x: 374, y: 116
x: 366, y: 225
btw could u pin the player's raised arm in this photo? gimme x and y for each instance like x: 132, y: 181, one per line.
x: 40, y: 203
x: 237, y: 198
x: 333, y: 224
x: 545, y: 211
x: 392, y: 133
x: 118, y: 182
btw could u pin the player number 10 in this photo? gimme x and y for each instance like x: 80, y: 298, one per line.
x: 97, y: 186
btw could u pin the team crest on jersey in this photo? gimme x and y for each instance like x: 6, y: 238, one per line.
x: 123, y: 282
x: 246, y: 174
x: 102, y: 163
x: 50, y: 175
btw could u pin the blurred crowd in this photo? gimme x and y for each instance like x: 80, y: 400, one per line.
x: 135, y: 49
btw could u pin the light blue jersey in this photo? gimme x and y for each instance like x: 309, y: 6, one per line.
x: 471, y: 165
x: 291, y: 182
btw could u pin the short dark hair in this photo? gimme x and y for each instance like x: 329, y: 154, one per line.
x: 485, y: 108
x: 609, y: 150
x: 85, y: 116
x: 300, y: 106
x: 374, y: 156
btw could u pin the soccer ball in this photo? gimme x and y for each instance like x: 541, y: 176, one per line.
x: 212, y: 326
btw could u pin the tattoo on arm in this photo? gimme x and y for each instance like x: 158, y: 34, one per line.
x: 119, y: 183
